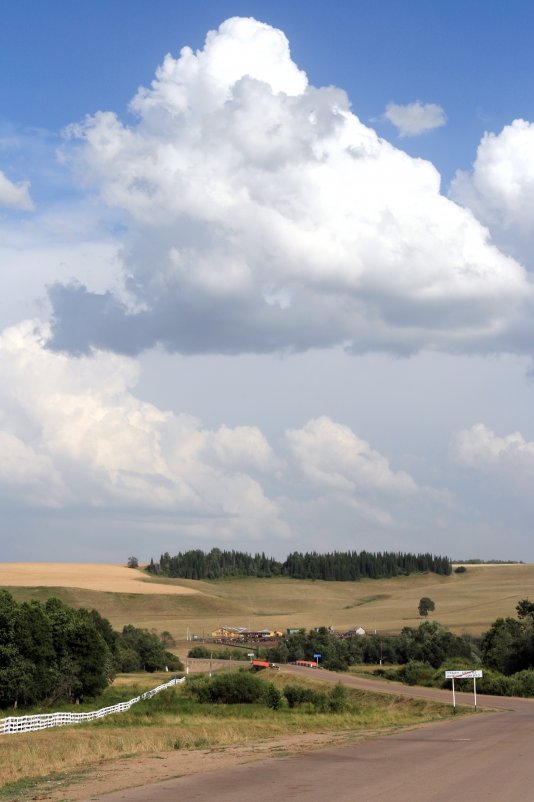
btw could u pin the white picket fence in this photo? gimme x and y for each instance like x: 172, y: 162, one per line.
x: 34, y: 723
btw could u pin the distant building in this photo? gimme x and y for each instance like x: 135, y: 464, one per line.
x: 231, y: 633
x: 354, y: 632
x: 243, y: 634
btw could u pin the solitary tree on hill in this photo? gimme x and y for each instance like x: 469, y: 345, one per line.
x: 525, y: 610
x: 426, y: 606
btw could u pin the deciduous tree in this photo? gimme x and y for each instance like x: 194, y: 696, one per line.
x: 426, y: 606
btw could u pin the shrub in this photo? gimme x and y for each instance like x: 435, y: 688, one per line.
x: 494, y: 683
x: 272, y: 697
x: 205, y: 653
x: 338, y: 698
x: 297, y: 695
x: 334, y: 702
x: 201, y: 652
x: 522, y: 683
x: 232, y: 689
x: 416, y: 673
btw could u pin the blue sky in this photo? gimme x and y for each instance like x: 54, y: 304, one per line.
x: 62, y: 60
x: 248, y: 320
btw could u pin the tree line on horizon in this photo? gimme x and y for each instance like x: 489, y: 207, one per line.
x: 334, y: 566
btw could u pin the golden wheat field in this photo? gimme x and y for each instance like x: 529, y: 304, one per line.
x: 88, y: 576
x: 466, y: 602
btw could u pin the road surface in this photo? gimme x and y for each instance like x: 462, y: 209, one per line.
x: 486, y: 757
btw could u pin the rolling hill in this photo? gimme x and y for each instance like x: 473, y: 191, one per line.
x: 466, y: 602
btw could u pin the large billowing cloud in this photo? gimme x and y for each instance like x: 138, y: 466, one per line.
x: 262, y: 215
x: 500, y: 188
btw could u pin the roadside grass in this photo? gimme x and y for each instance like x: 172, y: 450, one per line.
x: 37, y: 788
x: 172, y: 720
x: 141, y: 681
x: 467, y: 602
x: 368, y: 669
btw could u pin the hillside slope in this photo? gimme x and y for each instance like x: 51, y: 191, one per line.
x: 466, y: 602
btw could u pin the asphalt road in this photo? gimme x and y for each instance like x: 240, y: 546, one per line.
x: 484, y: 757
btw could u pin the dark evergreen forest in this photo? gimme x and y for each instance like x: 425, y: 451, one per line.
x: 335, y: 566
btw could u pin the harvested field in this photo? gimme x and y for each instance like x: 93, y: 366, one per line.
x: 87, y: 576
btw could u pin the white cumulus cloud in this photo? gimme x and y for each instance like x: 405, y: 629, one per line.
x: 15, y: 196
x: 503, y: 466
x: 72, y: 434
x: 262, y: 215
x: 480, y: 448
x: 333, y: 456
x: 500, y: 188
x: 416, y: 118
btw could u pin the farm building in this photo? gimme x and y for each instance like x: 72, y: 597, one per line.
x: 244, y: 634
x: 351, y: 633
x: 231, y: 633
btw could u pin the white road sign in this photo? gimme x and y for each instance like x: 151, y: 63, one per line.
x: 473, y: 674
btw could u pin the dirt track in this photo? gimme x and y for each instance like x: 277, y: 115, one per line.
x: 482, y: 757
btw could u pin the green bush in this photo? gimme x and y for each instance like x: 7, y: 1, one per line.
x: 338, y: 698
x: 416, y: 673
x: 494, y: 683
x: 334, y: 702
x: 297, y: 695
x: 200, y: 652
x: 522, y: 683
x: 204, y: 653
x: 273, y: 697
x: 236, y: 688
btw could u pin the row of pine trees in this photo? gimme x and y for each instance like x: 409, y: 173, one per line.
x: 334, y: 566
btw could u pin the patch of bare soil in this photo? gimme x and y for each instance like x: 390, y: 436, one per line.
x: 145, y: 769
x: 89, y: 576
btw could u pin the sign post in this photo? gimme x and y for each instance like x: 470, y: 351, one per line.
x: 473, y: 674
x: 317, y: 658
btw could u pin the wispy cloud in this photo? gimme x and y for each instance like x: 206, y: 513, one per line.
x: 416, y: 118
x: 15, y: 196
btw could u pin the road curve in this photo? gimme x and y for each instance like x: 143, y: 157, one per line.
x: 473, y: 759
x: 414, y: 691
